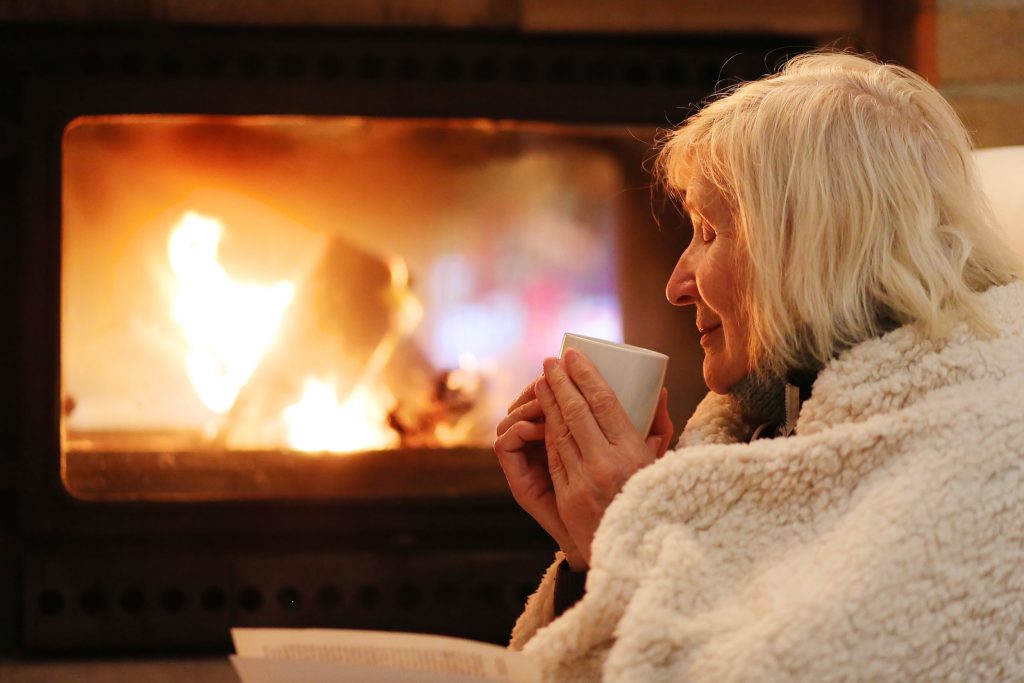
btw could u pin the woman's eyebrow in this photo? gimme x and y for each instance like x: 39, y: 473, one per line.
x: 691, y: 209
x: 694, y: 211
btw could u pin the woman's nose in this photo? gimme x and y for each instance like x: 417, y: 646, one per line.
x: 681, y: 289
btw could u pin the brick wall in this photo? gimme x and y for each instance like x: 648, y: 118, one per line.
x: 979, y: 64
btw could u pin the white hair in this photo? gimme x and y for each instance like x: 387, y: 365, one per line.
x: 853, y: 189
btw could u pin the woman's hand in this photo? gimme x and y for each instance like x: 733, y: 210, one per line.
x: 592, y: 445
x: 521, y: 454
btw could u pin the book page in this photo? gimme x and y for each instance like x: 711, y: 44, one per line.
x: 441, y: 656
x: 260, y: 670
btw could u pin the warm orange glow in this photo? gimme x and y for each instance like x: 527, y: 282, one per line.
x: 467, y: 378
x: 329, y: 284
x: 408, y: 311
x: 319, y: 423
x: 228, y: 325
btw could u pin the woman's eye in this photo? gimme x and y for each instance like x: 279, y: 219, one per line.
x: 700, y: 227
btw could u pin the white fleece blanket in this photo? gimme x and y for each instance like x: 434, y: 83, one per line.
x: 884, y: 541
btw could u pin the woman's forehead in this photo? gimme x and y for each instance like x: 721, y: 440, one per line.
x: 704, y: 197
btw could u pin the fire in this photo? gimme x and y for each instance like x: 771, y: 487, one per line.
x: 228, y: 325
x: 319, y: 423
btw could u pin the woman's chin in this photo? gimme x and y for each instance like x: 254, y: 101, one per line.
x: 713, y: 381
x: 719, y: 377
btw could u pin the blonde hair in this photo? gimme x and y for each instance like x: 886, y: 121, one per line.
x: 853, y: 188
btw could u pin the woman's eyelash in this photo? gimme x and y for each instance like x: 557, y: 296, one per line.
x: 701, y: 227
x: 706, y: 232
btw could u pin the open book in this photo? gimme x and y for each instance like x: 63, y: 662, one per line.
x: 296, y: 655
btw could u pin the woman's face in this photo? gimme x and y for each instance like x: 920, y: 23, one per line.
x: 709, y: 275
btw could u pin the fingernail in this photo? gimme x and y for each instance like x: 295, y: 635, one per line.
x: 550, y: 364
x: 572, y: 357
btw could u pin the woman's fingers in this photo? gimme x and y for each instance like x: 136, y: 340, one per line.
x: 573, y: 410
x: 608, y: 412
x: 518, y: 469
x: 516, y: 437
x: 662, y: 427
x: 563, y: 452
x: 525, y: 396
x: 525, y: 465
x: 528, y: 412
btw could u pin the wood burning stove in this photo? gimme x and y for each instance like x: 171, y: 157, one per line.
x: 219, y: 240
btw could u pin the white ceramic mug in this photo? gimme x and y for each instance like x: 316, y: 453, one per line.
x: 635, y: 374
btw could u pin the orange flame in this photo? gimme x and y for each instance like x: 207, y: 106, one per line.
x: 318, y: 422
x: 228, y: 326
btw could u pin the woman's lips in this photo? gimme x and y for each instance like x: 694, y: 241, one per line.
x: 707, y: 332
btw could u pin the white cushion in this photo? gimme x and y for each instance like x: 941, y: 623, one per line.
x: 1002, y: 179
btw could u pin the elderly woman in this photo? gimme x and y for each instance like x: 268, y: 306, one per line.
x: 847, y: 503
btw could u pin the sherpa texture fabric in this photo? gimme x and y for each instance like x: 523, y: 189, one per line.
x: 884, y: 541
